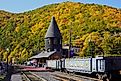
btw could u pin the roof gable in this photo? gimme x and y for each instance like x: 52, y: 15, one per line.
x: 44, y: 54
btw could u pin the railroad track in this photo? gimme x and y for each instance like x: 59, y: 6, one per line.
x: 70, y: 77
x: 59, y: 76
x: 29, y: 76
x: 62, y: 78
x: 55, y: 77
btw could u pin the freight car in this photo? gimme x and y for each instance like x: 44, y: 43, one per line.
x: 102, y: 67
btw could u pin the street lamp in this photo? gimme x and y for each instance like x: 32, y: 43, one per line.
x: 7, y: 58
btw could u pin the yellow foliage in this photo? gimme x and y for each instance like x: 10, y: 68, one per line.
x: 17, y: 29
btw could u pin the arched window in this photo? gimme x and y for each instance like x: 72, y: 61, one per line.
x: 47, y: 41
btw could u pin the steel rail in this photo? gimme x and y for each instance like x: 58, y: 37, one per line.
x: 75, y: 77
x: 35, y: 76
x: 28, y: 79
x: 38, y: 76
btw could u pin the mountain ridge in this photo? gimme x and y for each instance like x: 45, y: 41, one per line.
x: 58, y: 3
x: 23, y: 33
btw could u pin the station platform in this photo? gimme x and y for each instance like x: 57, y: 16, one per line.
x: 16, y: 77
x: 32, y: 68
x: 35, y: 69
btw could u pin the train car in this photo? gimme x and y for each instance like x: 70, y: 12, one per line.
x: 51, y: 64
x: 54, y: 64
x: 102, y: 67
x: 112, y: 64
x: 78, y: 65
x: 85, y: 65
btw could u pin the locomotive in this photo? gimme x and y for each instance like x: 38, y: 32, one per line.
x: 102, y: 67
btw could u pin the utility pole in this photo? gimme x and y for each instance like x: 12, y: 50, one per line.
x: 70, y: 44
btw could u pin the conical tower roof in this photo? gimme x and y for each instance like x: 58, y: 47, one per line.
x: 53, y: 30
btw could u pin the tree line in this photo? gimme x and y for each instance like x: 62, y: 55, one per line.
x: 96, y: 29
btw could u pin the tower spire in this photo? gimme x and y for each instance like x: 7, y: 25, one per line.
x: 53, y: 38
x: 53, y: 30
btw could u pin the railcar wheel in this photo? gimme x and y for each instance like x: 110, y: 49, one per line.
x: 65, y: 71
x: 72, y: 73
x: 109, y: 77
x: 106, y: 77
x: 99, y: 76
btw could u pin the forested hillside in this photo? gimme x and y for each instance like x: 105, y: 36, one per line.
x: 96, y: 29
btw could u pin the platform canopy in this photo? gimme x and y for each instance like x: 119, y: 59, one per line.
x: 43, y: 54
